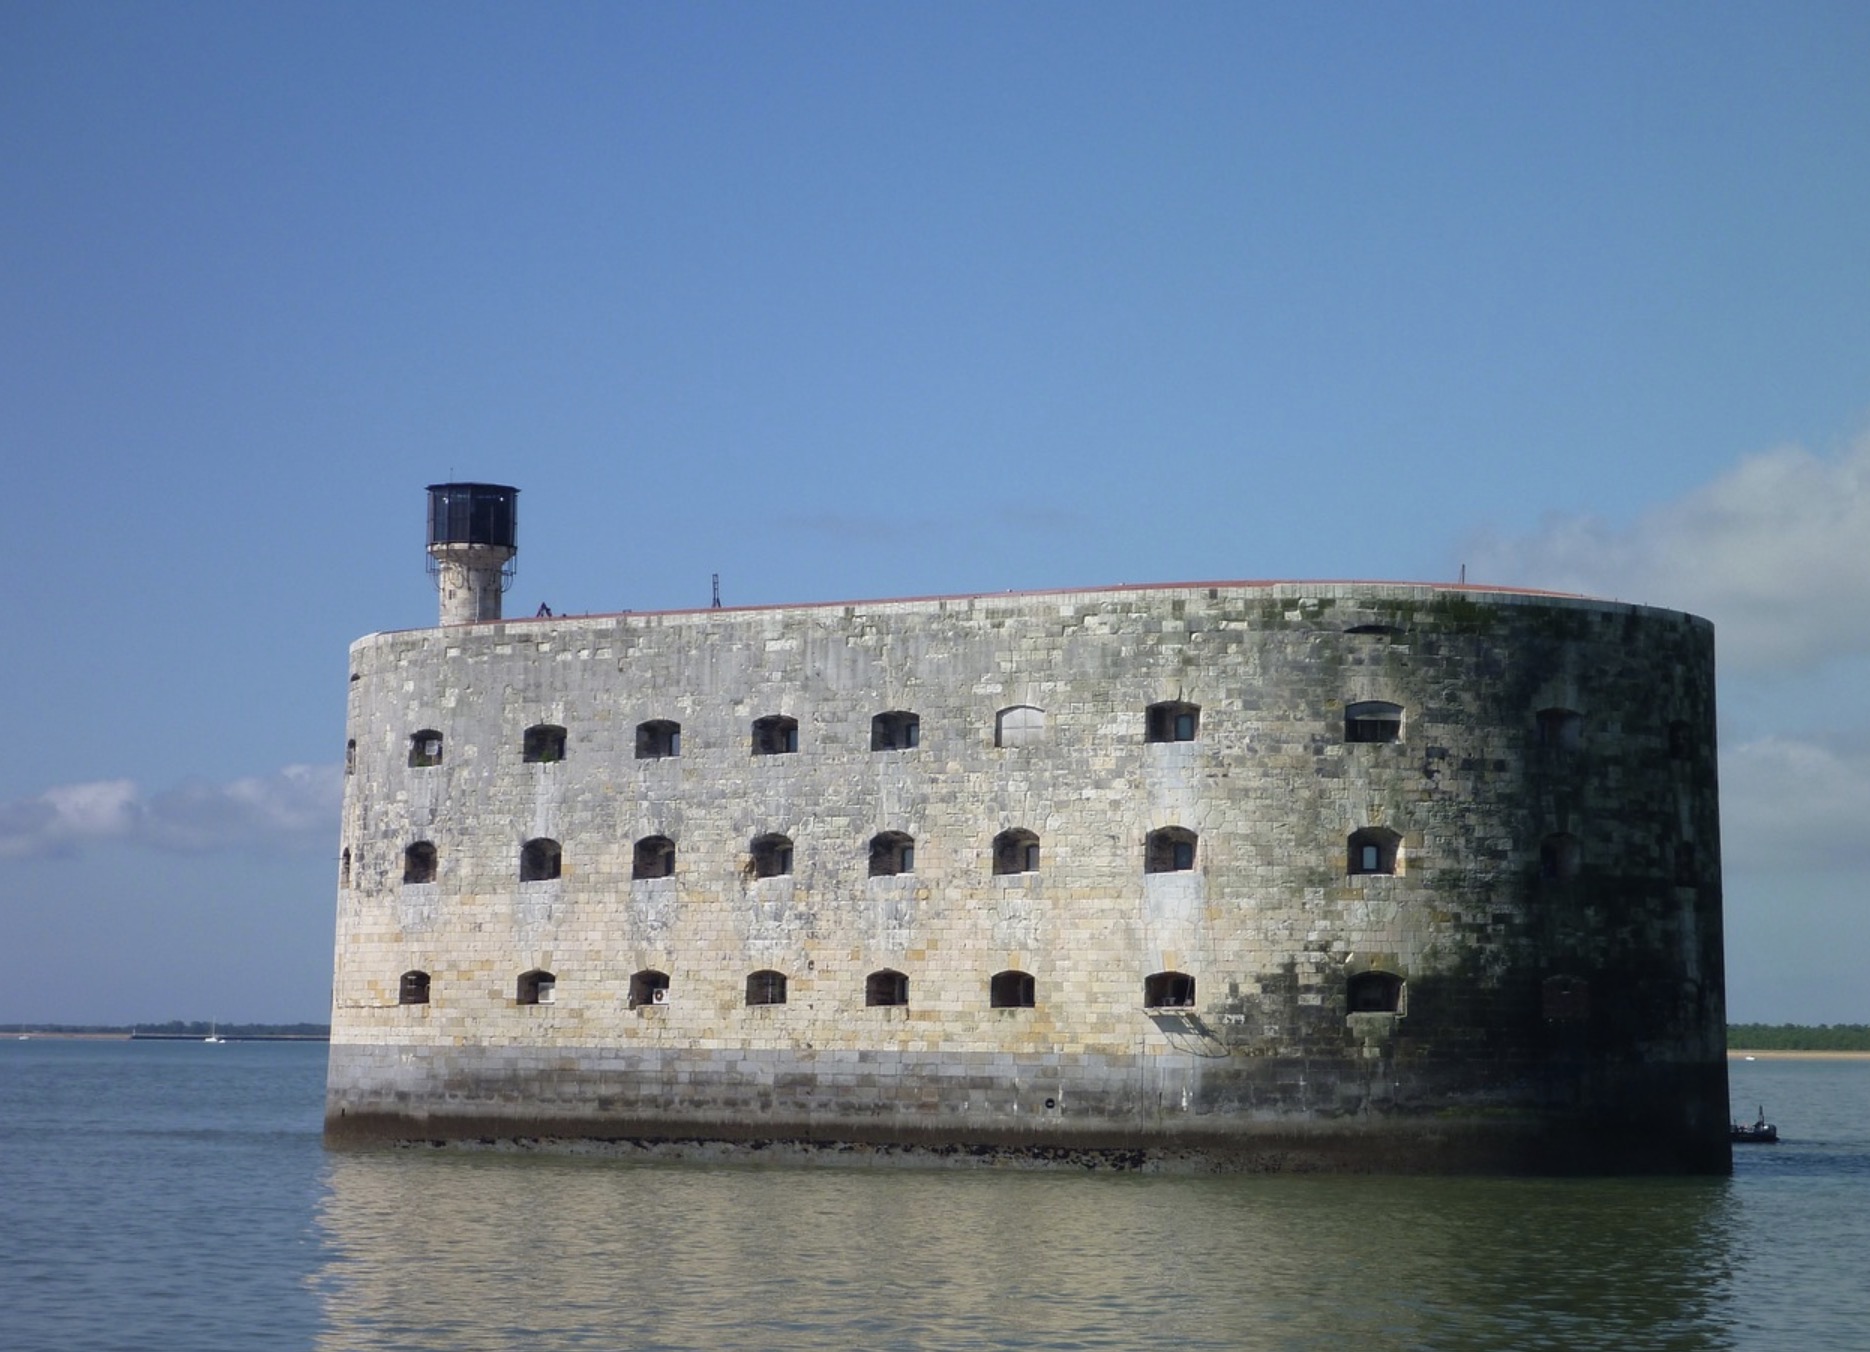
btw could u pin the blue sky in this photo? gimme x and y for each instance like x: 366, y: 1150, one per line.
x: 861, y: 300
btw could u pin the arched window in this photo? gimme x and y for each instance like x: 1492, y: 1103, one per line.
x: 1171, y: 721
x: 1373, y: 720
x: 1168, y: 990
x: 1681, y: 740
x: 1020, y: 725
x: 1558, y: 858
x: 895, y: 731
x: 658, y: 739
x: 772, y: 856
x: 419, y: 863
x: 344, y: 867
x: 1561, y: 729
x: 1016, y: 851
x: 539, y: 860
x: 413, y: 989
x: 425, y: 748
x: 654, y: 858
x: 1374, y: 849
x: 543, y: 744
x: 1170, y: 850
x: 892, y: 853
x: 766, y: 988
x: 1565, y: 999
x: 350, y: 757
x: 1686, y: 872
x: 886, y: 987
x: 1374, y: 993
x: 775, y: 735
x: 649, y: 987
x: 1010, y: 990
x: 536, y: 988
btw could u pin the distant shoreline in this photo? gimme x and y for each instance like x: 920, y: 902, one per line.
x: 1755, y: 1054
x: 33, y: 1035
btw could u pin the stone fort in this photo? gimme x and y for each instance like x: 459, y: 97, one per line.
x: 1255, y: 875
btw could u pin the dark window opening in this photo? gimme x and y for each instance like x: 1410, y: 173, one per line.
x: 1015, y: 851
x: 1561, y: 729
x: 1559, y: 858
x: 775, y: 736
x: 419, y: 863
x: 1373, y: 850
x: 772, y: 856
x: 1686, y: 874
x: 1168, y: 990
x: 895, y: 731
x: 536, y: 988
x: 344, y: 868
x: 1010, y: 990
x: 766, y: 988
x: 1374, y: 993
x: 413, y: 989
x: 1384, y: 630
x: 350, y: 757
x: 543, y: 744
x: 1373, y: 720
x: 425, y: 748
x: 540, y: 860
x: 649, y: 987
x: 1171, y: 721
x: 886, y: 987
x: 654, y: 858
x: 1170, y: 850
x: 1681, y: 741
x: 892, y: 853
x: 1565, y: 999
x: 1020, y: 725
x: 658, y: 739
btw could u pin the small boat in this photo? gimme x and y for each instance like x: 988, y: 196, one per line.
x: 1761, y: 1132
x: 214, y: 1034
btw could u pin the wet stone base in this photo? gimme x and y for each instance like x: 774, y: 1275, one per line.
x: 835, y: 1154
x: 1105, y: 1113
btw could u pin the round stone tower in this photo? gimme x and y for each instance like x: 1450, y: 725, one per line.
x: 473, y: 538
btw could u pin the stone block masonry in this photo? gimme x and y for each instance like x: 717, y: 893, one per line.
x: 1167, y: 898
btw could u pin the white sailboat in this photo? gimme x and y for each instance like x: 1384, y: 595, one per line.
x: 214, y: 1032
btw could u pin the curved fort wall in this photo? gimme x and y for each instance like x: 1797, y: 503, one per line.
x: 1169, y: 895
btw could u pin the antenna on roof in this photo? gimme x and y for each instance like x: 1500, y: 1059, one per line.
x: 717, y: 592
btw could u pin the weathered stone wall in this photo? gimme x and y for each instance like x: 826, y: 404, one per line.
x: 1537, y: 995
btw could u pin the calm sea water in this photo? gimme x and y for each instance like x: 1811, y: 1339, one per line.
x: 162, y: 1196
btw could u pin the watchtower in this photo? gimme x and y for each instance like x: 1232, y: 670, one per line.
x: 473, y: 538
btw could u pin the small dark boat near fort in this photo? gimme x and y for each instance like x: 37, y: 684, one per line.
x: 1761, y: 1132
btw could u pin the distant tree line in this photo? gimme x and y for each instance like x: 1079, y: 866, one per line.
x: 179, y: 1028
x: 1799, y: 1037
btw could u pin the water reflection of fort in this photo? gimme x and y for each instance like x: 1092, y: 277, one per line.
x: 430, y: 1250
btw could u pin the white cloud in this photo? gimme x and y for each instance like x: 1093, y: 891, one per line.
x: 1776, y: 552
x: 1791, y: 807
x: 294, y: 808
